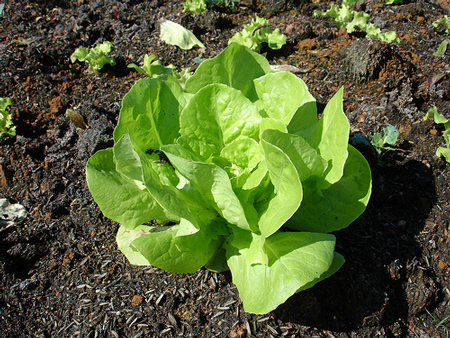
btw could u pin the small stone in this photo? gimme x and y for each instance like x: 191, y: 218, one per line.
x: 442, y: 265
x: 56, y: 105
x: 137, y: 300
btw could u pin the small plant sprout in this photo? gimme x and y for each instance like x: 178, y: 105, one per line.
x: 442, y: 48
x: 6, y: 123
x: 346, y: 17
x: 194, y: 6
x: 440, y: 323
x: 439, y: 119
x: 152, y: 67
x: 390, y: 136
x: 76, y: 119
x: 253, y: 38
x: 435, y: 79
x: 95, y: 57
x: 199, y: 6
x: 445, y: 21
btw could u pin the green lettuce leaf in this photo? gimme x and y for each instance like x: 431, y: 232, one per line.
x: 150, y: 113
x: 294, y: 260
x: 235, y: 67
x: 176, y: 35
x: 339, y: 205
x: 287, y: 188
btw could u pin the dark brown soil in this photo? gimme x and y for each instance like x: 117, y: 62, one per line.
x: 61, y: 274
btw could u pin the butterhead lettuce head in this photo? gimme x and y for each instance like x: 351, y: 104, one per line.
x: 242, y: 172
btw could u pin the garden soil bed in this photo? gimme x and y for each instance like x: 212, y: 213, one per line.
x: 61, y: 274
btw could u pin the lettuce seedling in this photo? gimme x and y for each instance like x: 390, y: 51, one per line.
x: 253, y: 38
x: 95, y: 57
x: 6, y: 123
x: 199, y: 6
x: 442, y: 48
x: 194, y: 6
x: 439, y: 119
x: 444, y: 21
x: 241, y: 172
x: 223, y: 3
x: 153, y: 68
x: 346, y: 17
x: 390, y: 136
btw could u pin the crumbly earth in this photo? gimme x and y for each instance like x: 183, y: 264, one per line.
x: 61, y: 274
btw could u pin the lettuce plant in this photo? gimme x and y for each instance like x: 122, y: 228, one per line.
x: 444, y: 21
x: 194, y: 6
x: 390, y: 136
x: 6, y: 124
x: 239, y: 171
x: 152, y: 67
x: 95, y: 57
x: 440, y: 119
x: 155, y: 69
x: 199, y: 6
x: 253, y: 38
x: 346, y: 17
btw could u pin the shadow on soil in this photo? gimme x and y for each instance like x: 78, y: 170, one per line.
x: 370, y: 287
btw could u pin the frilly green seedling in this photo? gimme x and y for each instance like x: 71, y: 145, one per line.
x: 199, y: 6
x: 444, y: 21
x: 6, y: 124
x: 95, y: 57
x: 348, y: 18
x: 253, y: 37
x: 152, y: 67
x: 389, y: 137
x: 194, y: 6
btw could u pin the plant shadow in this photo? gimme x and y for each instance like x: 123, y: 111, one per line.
x: 378, y: 247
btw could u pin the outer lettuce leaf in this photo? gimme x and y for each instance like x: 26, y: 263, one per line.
x: 236, y: 66
x: 120, y: 198
x: 250, y: 245
x: 269, y: 123
x: 150, y: 112
x: 124, y: 238
x: 339, y: 205
x: 295, y: 259
x: 338, y: 261
x: 330, y: 137
x: 287, y: 188
x: 182, y: 254
x: 176, y: 35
